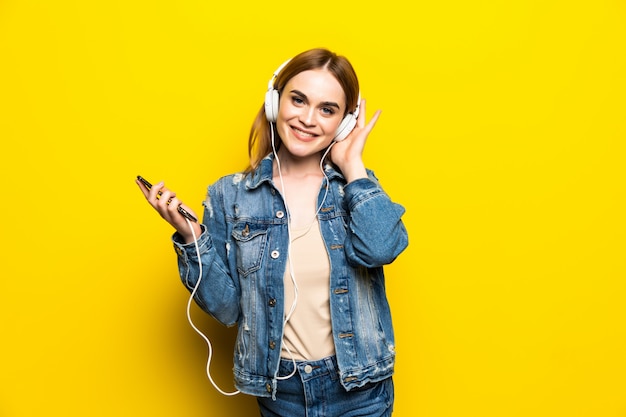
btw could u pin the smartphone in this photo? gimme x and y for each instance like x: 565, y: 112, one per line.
x: 181, y: 210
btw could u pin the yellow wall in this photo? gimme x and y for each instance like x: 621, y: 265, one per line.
x: 502, y: 133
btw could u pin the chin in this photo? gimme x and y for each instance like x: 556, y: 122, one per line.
x: 304, y: 148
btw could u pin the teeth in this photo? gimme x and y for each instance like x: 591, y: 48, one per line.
x: 300, y: 132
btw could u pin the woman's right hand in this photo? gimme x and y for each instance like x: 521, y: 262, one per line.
x: 165, y: 202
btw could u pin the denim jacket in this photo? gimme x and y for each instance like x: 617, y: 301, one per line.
x: 243, y: 251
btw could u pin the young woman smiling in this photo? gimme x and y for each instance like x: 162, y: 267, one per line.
x: 292, y: 249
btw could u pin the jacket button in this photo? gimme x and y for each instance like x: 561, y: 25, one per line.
x: 272, y: 345
x: 280, y: 214
x: 272, y: 302
x: 275, y: 254
x: 268, y: 387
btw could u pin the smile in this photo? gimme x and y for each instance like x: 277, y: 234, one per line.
x: 302, y: 133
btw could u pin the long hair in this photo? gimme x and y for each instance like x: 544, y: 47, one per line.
x: 259, y: 142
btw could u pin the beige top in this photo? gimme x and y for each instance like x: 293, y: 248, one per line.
x: 308, y: 333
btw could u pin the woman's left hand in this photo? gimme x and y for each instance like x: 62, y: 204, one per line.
x: 348, y: 153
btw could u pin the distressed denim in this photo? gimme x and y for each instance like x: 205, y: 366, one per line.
x: 243, y: 250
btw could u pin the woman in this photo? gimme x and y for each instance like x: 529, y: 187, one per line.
x: 291, y: 250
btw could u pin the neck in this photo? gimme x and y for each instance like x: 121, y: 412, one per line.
x: 291, y: 165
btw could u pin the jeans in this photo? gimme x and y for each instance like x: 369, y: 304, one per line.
x: 315, y: 390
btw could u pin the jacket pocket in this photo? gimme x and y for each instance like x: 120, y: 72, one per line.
x: 251, y: 241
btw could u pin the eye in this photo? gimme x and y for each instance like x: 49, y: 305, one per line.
x: 297, y: 100
x: 329, y: 111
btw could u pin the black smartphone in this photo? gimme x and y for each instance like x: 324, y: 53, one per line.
x: 181, y: 210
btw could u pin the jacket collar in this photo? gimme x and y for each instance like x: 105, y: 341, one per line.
x: 264, y: 172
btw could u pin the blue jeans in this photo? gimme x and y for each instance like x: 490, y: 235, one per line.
x: 316, y: 391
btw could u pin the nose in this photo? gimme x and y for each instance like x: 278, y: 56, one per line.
x: 307, y: 116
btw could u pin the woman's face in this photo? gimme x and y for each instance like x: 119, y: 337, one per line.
x: 311, y: 108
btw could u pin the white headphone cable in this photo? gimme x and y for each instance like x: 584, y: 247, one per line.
x: 189, y: 301
x: 291, y: 271
x: 293, y: 306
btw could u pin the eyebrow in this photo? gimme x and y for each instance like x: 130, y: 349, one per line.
x: 324, y: 103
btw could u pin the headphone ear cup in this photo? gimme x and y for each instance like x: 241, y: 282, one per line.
x: 271, y: 105
x: 345, y: 127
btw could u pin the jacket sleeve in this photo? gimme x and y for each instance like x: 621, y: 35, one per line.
x: 376, y: 233
x: 218, y: 292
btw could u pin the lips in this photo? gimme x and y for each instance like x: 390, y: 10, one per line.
x: 303, y: 134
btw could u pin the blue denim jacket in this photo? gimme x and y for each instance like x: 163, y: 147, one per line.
x: 243, y: 249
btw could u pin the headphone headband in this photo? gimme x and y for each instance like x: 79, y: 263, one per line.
x: 270, y: 84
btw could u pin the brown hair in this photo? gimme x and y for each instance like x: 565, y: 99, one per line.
x: 259, y: 142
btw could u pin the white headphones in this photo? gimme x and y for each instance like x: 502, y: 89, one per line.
x: 271, y: 108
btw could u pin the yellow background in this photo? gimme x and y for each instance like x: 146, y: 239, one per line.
x: 502, y: 133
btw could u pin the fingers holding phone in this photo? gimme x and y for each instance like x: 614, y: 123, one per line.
x: 165, y: 202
